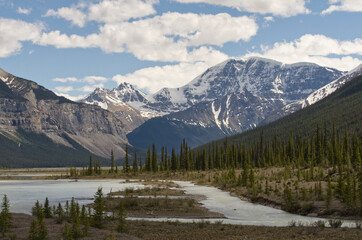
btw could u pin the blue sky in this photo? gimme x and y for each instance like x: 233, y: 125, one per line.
x: 73, y: 47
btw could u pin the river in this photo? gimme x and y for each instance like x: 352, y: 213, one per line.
x: 24, y: 193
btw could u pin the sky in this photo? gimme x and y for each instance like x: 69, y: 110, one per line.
x: 75, y: 46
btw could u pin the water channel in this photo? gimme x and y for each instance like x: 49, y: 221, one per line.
x: 24, y: 193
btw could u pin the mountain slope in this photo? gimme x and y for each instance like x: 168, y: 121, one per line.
x: 343, y: 108
x: 26, y: 106
x: 235, y: 96
x: 118, y: 102
x: 315, y: 96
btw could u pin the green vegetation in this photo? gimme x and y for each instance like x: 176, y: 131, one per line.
x: 342, y: 108
x: 5, y: 217
x: 37, y: 150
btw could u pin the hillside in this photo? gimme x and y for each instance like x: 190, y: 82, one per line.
x: 39, y: 128
x: 343, y: 108
x: 231, y: 97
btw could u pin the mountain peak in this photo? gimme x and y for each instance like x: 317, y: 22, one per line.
x: 356, y: 69
x: 125, y: 85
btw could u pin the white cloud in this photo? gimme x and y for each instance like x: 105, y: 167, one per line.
x: 25, y: 11
x: 73, y: 98
x: 111, y: 11
x: 76, y: 16
x: 319, y: 49
x: 86, y: 79
x: 64, y: 89
x: 161, y: 38
x: 153, y: 79
x: 344, y: 5
x: 94, y: 79
x: 269, y: 19
x: 90, y: 88
x: 13, y: 32
x: 64, y: 80
x: 284, y: 8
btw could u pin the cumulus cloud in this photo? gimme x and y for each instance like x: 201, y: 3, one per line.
x: 90, y: 88
x: 344, y: 5
x: 72, y: 14
x: 284, y: 8
x: 64, y: 80
x: 110, y: 11
x: 319, y: 49
x: 64, y: 89
x: 25, y: 11
x: 73, y: 98
x: 86, y: 79
x: 14, y: 32
x: 161, y: 38
x: 153, y: 79
x: 106, y: 11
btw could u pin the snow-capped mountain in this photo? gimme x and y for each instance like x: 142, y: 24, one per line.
x: 237, y: 95
x: 119, y: 101
x: 259, y: 76
x: 316, y: 95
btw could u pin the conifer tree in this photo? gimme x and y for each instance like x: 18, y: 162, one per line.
x: 99, y: 209
x: 5, y: 216
x: 121, y: 227
x: 112, y: 161
x: 135, y: 163
x: 154, y: 158
x: 126, y: 170
x: 148, y: 160
x: 90, y: 168
x: 59, y: 214
x: 47, y: 209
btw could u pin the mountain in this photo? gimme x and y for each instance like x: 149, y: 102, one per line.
x: 341, y: 108
x: 315, y: 96
x: 231, y: 97
x: 119, y: 101
x: 33, y: 117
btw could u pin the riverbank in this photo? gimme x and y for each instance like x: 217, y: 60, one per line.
x: 307, y: 197
x: 176, y: 230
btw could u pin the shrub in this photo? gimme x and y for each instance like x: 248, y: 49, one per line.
x: 335, y: 223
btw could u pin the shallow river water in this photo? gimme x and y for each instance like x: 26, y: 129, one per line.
x: 24, y: 193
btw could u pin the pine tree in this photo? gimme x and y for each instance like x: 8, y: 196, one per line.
x: 47, y: 209
x: 38, y: 229
x: 112, y: 161
x: 154, y: 159
x: 126, y: 166
x: 148, y: 160
x: 99, y: 209
x: 5, y: 216
x: 135, y: 163
x: 37, y: 209
x: 90, y: 168
x: 121, y: 227
x: 59, y: 214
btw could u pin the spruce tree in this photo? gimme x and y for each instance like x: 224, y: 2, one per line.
x: 121, y: 227
x: 112, y: 161
x: 99, y: 209
x: 47, y: 209
x: 5, y: 216
x: 59, y: 213
x: 154, y: 158
x: 126, y: 170
x: 90, y: 168
x: 135, y: 163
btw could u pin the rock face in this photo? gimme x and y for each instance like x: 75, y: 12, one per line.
x: 119, y: 102
x: 26, y: 105
x: 315, y: 96
x: 236, y: 95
